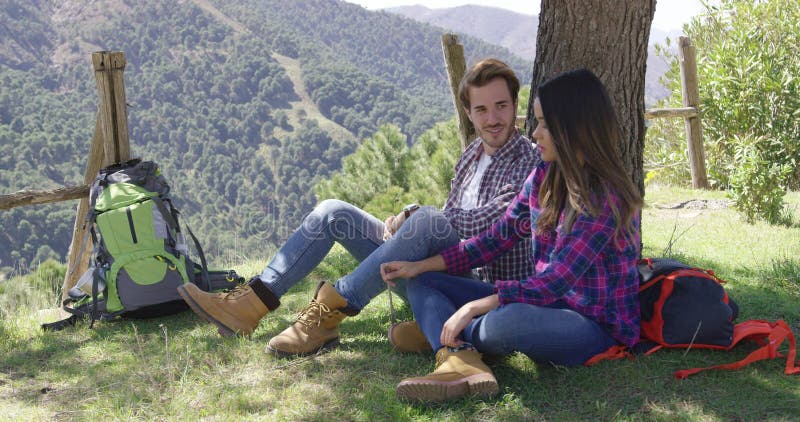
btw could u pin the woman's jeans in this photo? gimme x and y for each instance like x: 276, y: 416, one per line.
x: 425, y: 233
x: 544, y: 333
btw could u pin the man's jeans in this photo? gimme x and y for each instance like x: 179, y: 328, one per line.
x: 544, y: 333
x: 425, y: 233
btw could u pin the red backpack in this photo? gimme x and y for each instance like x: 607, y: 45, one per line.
x: 685, y: 307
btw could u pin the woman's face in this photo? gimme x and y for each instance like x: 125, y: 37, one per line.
x: 542, y: 134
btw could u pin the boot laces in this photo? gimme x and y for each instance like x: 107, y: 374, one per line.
x: 237, y: 291
x: 440, y: 358
x: 312, y: 314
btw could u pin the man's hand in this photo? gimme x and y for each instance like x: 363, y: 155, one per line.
x: 392, y: 224
x: 388, y: 228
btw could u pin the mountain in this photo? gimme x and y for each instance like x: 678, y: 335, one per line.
x: 245, y: 104
x: 514, y: 31
x: 517, y: 32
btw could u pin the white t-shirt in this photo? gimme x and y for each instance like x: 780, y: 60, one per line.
x: 469, y: 196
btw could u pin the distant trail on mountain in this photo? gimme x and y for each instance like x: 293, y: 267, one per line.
x: 293, y: 70
x: 223, y: 18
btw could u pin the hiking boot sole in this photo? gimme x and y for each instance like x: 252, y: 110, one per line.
x: 426, y: 391
x: 327, y: 347
x: 222, y: 329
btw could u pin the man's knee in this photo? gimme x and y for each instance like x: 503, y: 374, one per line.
x: 331, y: 206
x: 331, y: 214
x: 426, y: 221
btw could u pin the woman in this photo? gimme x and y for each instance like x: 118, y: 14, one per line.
x: 581, y: 210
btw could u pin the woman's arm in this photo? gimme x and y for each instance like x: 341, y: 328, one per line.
x: 574, y: 253
x: 459, y: 320
x: 393, y: 270
x: 513, y: 226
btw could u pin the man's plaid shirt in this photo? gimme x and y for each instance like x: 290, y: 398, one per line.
x: 510, y: 166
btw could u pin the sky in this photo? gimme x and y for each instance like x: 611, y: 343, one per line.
x: 670, y: 14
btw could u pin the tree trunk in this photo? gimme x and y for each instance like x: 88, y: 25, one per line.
x: 608, y: 37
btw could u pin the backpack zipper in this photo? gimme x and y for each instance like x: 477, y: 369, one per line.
x: 130, y: 224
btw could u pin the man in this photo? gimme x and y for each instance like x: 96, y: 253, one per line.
x: 488, y: 175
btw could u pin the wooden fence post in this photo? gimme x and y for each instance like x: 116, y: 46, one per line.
x: 110, y: 144
x: 78, y: 252
x: 108, y: 69
x: 456, y: 67
x: 691, y: 98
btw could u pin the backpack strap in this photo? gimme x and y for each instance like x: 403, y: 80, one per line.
x: 202, y: 256
x: 770, y: 335
x: 614, y: 352
x: 61, y: 324
x: 172, y: 221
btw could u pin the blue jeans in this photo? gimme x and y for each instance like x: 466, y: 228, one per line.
x: 425, y: 233
x: 553, y: 333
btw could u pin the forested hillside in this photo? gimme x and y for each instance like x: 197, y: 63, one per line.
x: 246, y: 104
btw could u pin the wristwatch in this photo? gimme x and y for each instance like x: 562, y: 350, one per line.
x: 408, y: 209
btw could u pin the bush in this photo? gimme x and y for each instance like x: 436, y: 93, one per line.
x: 750, y: 99
x: 666, y: 157
x: 756, y: 183
x: 49, y: 276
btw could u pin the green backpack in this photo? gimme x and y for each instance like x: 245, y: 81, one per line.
x: 140, y: 254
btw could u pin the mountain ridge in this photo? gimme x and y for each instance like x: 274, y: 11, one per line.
x: 510, y: 30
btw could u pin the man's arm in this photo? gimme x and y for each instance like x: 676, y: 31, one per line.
x: 469, y: 223
x: 507, y: 180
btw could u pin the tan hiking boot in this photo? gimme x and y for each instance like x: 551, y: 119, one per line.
x: 457, y: 374
x: 316, y: 327
x: 407, y: 337
x: 235, y: 312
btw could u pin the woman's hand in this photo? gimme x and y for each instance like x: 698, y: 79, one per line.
x: 458, y: 321
x: 454, y: 326
x: 391, y: 271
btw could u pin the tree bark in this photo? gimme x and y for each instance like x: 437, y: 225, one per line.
x: 608, y: 37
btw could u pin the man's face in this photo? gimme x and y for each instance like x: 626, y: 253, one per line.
x: 493, y: 113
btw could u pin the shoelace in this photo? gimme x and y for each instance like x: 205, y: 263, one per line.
x: 439, y: 360
x: 306, y: 316
x: 237, y: 291
x: 391, y: 305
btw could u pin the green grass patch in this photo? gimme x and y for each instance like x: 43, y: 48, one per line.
x: 179, y: 368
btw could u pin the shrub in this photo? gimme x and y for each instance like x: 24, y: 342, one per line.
x: 756, y: 183
x: 666, y: 158
x: 750, y: 99
x: 48, y: 276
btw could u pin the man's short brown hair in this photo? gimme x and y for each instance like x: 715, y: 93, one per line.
x: 484, y: 72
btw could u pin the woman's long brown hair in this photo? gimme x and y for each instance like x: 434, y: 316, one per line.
x: 586, y: 137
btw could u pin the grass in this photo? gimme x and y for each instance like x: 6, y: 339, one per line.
x: 179, y: 368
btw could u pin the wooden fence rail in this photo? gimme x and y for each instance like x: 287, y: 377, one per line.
x: 32, y: 197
